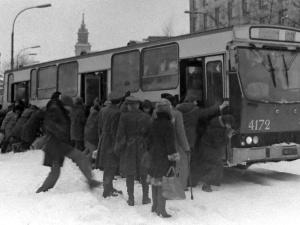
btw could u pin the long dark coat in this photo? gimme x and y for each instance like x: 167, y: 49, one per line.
x: 32, y: 126
x: 57, y: 128
x: 191, y: 114
x: 91, y: 128
x: 78, y: 121
x: 213, y: 144
x: 9, y: 123
x: 17, y: 131
x: 162, y: 143
x: 131, y: 141
x: 107, y: 129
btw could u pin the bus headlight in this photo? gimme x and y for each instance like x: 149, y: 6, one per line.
x: 249, y: 140
x: 255, y: 140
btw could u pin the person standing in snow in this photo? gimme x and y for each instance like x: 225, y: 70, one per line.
x: 31, y: 130
x: 108, y: 121
x: 182, y: 145
x: 213, y: 144
x: 191, y: 114
x: 57, y: 130
x: 91, y: 137
x: 78, y: 121
x: 161, y: 138
x: 8, y: 125
x: 131, y: 144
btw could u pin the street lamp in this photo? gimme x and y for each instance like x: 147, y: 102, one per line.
x: 205, y: 13
x: 36, y: 46
x: 27, y: 62
x: 12, y: 33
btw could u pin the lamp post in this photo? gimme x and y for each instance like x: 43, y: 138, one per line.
x: 205, y: 13
x: 12, y: 33
x: 36, y: 46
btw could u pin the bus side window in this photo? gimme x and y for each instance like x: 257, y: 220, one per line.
x: 214, y: 83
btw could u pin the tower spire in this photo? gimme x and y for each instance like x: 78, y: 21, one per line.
x: 82, y: 46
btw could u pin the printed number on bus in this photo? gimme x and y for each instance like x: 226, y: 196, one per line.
x: 259, y: 125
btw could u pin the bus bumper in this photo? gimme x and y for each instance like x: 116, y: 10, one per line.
x: 274, y: 153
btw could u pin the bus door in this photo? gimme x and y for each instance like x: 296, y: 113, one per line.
x: 214, y: 92
x: 21, y: 92
x: 214, y: 80
x: 94, y: 85
x: 191, y: 78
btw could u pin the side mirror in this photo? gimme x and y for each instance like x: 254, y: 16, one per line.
x: 232, y: 60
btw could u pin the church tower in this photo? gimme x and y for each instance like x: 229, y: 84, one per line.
x: 82, y: 46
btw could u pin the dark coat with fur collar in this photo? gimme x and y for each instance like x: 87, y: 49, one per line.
x: 57, y: 129
x: 162, y: 143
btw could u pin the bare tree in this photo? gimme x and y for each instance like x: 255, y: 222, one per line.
x: 168, y: 28
x: 20, y: 61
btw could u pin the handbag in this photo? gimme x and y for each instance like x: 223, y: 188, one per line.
x: 146, y: 159
x: 171, y: 186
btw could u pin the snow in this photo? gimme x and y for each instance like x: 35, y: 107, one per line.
x: 262, y: 194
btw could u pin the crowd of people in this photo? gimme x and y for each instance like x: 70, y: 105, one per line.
x: 115, y: 135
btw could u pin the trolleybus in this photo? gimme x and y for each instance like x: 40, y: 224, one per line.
x: 255, y: 67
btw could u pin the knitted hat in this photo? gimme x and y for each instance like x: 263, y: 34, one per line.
x: 163, y: 105
x: 67, y: 100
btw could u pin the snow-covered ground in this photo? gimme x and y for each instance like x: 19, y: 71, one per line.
x: 263, y: 194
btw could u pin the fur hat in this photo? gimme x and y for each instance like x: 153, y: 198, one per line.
x: 115, y: 95
x: 163, y: 105
x: 132, y: 100
x: 190, y: 98
x: 78, y: 101
x: 67, y: 100
x: 228, y: 119
x: 56, y: 95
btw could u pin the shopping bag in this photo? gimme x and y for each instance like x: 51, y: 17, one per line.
x: 171, y: 186
x: 146, y: 159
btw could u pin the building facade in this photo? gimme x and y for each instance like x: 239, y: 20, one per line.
x: 212, y: 14
x: 82, y: 46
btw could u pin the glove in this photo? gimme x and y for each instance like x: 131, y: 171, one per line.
x: 127, y: 94
x: 174, y: 157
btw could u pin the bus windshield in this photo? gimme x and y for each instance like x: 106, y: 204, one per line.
x: 270, y: 75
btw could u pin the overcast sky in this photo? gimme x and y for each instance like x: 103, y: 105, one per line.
x: 111, y: 23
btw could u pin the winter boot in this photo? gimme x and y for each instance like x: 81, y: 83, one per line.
x: 51, y: 179
x: 145, y: 186
x: 206, y: 187
x: 130, y: 190
x: 154, y: 198
x: 161, y: 204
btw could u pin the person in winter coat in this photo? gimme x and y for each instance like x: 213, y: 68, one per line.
x: 214, y: 143
x: 161, y: 138
x: 108, y: 121
x: 31, y: 130
x: 191, y: 114
x: 182, y: 145
x: 57, y: 134
x: 8, y: 125
x: 131, y: 142
x: 56, y: 95
x: 17, y: 132
x: 78, y: 121
x: 147, y: 107
x: 91, y: 137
